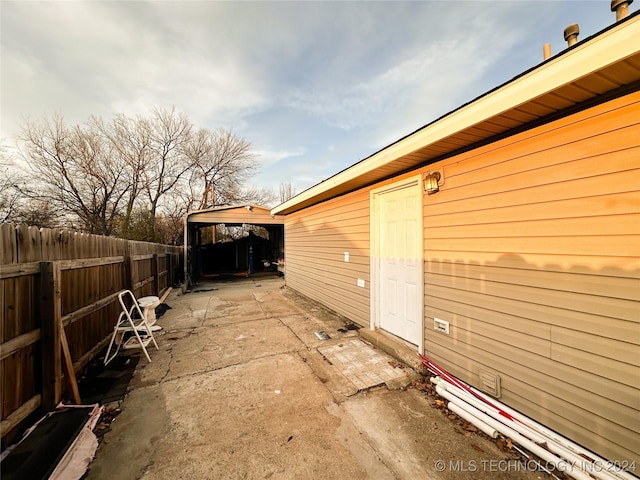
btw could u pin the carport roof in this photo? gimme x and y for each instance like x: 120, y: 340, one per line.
x: 234, y: 215
x: 602, y: 63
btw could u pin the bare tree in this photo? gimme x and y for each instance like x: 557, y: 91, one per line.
x: 287, y: 190
x: 75, y: 173
x: 221, y: 162
x: 9, y: 192
x: 257, y: 196
x: 170, y: 131
x: 120, y: 177
x: 170, y: 224
x: 130, y: 139
x: 17, y: 208
x: 37, y: 213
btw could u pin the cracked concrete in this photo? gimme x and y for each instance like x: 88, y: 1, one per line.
x: 240, y: 390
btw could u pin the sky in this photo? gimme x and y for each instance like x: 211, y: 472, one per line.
x: 314, y: 86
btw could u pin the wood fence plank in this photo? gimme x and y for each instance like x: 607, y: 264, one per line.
x: 20, y: 414
x: 165, y: 294
x: 66, y: 251
x: 72, y: 317
x: 89, y: 262
x: 50, y: 276
x: 28, y: 244
x: 146, y: 256
x: 67, y: 363
x: 50, y: 311
x: 154, y: 273
x: 8, y: 247
x: 19, y: 270
x: 170, y: 282
x: 133, y: 276
x: 142, y: 283
x: 127, y: 282
x: 19, y: 298
x: 50, y: 244
x: 87, y: 357
x: 9, y: 347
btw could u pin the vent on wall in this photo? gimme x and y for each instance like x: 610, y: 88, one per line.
x: 441, y: 326
x: 490, y: 383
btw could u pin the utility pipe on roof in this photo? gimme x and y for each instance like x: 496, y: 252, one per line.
x: 571, y: 34
x: 621, y: 7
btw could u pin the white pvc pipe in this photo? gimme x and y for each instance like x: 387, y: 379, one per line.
x: 457, y: 395
x: 524, y: 453
x: 492, y: 432
x: 564, y: 442
x: 576, y: 461
x: 485, y: 408
x: 534, y: 448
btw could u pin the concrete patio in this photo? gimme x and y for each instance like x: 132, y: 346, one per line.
x: 243, y: 388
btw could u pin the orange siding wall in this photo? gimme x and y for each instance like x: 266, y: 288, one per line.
x: 532, y: 253
x: 315, y: 242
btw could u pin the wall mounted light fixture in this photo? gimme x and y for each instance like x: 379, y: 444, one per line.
x: 430, y: 182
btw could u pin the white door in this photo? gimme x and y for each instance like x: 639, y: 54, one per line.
x: 400, y: 280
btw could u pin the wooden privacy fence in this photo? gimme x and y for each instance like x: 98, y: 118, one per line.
x: 56, y: 284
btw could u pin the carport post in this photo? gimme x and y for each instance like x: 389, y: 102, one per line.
x: 185, y: 253
x: 250, y: 252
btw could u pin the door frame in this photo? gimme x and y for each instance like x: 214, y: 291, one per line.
x: 374, y: 224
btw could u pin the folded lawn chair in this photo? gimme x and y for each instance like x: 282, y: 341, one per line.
x: 132, y: 329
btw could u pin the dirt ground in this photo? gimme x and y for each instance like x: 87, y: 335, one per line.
x: 239, y: 390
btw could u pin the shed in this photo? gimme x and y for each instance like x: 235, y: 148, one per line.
x: 503, y: 241
x: 207, y: 254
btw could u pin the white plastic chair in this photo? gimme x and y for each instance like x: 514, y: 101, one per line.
x: 133, y: 321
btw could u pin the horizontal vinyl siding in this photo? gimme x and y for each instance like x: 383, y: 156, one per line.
x: 315, y: 242
x: 532, y: 253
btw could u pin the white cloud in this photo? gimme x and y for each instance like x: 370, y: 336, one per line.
x: 425, y: 75
x: 269, y: 157
x: 117, y: 63
x: 315, y: 86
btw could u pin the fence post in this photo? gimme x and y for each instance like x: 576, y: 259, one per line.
x: 156, y: 277
x: 50, y: 318
x: 127, y: 281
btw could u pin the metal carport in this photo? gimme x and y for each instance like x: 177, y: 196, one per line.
x: 231, y: 216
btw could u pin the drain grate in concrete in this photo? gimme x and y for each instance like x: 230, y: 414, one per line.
x: 361, y: 364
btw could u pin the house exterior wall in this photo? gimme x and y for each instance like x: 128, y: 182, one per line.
x: 316, y: 240
x: 532, y: 253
